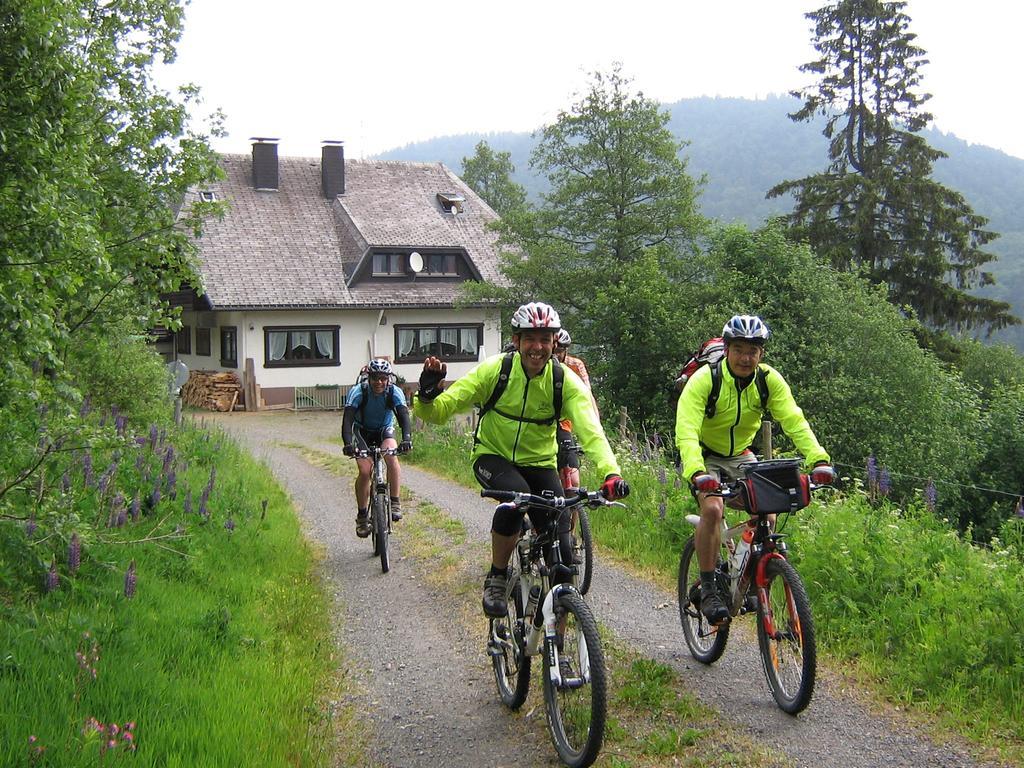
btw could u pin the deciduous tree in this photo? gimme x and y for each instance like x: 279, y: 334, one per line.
x: 489, y: 174
x: 607, y: 246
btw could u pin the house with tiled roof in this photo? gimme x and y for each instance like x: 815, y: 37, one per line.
x: 320, y: 264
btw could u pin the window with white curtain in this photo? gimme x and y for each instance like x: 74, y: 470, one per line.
x: 414, y: 343
x: 294, y: 346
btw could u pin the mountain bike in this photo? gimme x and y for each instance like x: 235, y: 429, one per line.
x: 547, y: 614
x: 582, y: 544
x: 753, y: 575
x: 380, y: 503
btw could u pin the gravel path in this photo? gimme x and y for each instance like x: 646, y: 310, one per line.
x: 429, y: 692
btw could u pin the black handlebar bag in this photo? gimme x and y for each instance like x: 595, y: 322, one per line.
x: 776, y: 486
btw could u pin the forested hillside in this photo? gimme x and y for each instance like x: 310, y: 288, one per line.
x: 743, y: 147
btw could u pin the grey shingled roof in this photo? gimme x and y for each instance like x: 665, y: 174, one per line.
x: 296, y: 248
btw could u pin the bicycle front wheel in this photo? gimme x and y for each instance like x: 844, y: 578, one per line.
x: 785, y: 636
x: 583, y: 552
x: 507, y: 649
x: 706, y: 642
x: 576, y: 701
x: 381, y: 526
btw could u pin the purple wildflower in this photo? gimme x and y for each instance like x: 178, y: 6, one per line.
x: 121, y: 519
x: 136, y: 506
x: 85, y: 408
x: 203, y: 511
x: 930, y: 494
x: 1020, y: 507
x: 65, y: 481
x: 52, y: 579
x: 74, y: 553
x: 106, y: 477
x: 213, y: 476
x: 662, y: 507
x: 186, y: 504
x: 168, y: 457
x: 103, y: 420
x: 662, y: 476
x: 872, y: 468
x: 172, y: 484
x: 140, y: 440
x: 129, y: 581
x: 154, y: 498
x: 884, y: 481
x: 229, y: 524
x: 30, y: 526
x: 87, y: 469
x: 153, y: 435
x: 138, y: 463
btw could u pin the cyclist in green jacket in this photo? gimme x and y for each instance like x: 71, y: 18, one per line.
x: 716, y: 440
x: 514, y: 445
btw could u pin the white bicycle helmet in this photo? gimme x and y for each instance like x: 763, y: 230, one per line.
x: 749, y: 328
x: 563, y: 339
x: 379, y: 366
x: 536, y: 315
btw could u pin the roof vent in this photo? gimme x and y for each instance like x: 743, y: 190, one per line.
x: 264, y: 163
x: 451, y: 202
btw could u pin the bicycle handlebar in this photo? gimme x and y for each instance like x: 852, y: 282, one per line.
x: 517, y: 498
x: 369, y: 454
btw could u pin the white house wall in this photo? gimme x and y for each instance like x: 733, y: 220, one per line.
x: 363, y: 334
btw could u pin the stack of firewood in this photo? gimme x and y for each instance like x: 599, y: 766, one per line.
x: 212, y: 390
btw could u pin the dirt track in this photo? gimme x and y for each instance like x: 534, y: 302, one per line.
x: 428, y: 687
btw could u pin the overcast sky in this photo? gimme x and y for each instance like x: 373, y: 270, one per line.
x: 382, y: 74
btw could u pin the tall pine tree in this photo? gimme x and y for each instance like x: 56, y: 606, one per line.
x: 877, y: 208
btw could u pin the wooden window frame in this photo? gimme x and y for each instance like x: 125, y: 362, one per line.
x: 419, y: 357
x: 334, y: 360
x: 232, y: 331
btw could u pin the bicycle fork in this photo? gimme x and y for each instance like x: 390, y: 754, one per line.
x: 548, y: 633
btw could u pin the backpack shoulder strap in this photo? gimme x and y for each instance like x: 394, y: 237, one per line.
x: 500, y: 385
x: 716, y: 389
x: 761, y: 380
x: 557, y: 380
x: 365, y: 388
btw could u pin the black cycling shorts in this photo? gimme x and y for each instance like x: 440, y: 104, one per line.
x: 496, y: 472
x: 567, y: 457
x: 365, y: 439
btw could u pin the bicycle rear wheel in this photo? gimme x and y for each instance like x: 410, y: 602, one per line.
x: 507, y: 648
x: 583, y: 552
x: 381, y: 528
x: 706, y: 642
x: 576, y: 706
x: 789, y: 653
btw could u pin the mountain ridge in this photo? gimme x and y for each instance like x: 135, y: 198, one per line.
x: 743, y: 147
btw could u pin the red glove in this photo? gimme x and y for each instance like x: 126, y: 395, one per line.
x: 823, y: 474
x: 614, y: 488
x: 704, y: 483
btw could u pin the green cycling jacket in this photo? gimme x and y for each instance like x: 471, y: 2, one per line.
x: 523, y: 443
x: 737, y: 418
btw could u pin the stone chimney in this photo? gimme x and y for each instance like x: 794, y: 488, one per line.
x: 332, y: 168
x: 264, y: 163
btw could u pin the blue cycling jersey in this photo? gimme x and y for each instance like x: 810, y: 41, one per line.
x: 376, y: 415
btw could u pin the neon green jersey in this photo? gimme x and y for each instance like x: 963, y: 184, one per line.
x: 737, y: 418
x: 523, y: 443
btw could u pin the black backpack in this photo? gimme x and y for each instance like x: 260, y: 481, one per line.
x: 760, y: 381
x: 557, y: 377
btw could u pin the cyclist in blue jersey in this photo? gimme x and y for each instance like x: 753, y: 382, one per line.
x: 369, y: 420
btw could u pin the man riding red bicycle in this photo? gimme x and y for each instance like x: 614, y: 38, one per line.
x: 714, y: 432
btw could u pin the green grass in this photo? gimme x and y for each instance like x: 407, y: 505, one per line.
x: 223, y: 656
x: 900, y: 600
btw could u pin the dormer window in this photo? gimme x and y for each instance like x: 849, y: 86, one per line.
x: 429, y: 264
x: 451, y: 202
x: 208, y: 196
